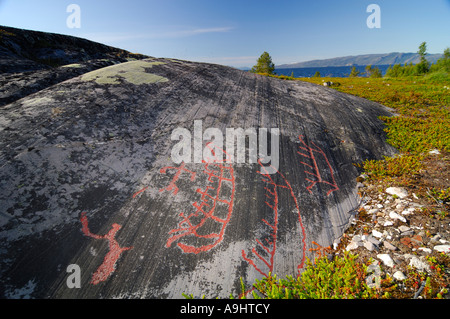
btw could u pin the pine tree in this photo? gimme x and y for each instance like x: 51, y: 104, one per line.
x: 354, y: 72
x: 423, y: 66
x: 373, y: 72
x: 264, y: 64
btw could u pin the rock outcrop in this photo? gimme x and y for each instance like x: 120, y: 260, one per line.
x: 31, y: 61
x: 87, y: 178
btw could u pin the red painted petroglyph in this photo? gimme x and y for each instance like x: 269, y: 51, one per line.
x: 270, y: 245
x: 139, y: 192
x: 180, y: 169
x: 109, y: 263
x: 263, y: 258
x: 220, y: 175
x: 313, y: 153
x: 320, y: 250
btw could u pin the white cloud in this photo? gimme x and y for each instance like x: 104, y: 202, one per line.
x: 192, y: 32
x: 109, y: 37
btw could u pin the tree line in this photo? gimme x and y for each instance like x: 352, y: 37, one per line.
x: 264, y: 65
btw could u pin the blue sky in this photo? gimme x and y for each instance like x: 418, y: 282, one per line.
x: 236, y: 32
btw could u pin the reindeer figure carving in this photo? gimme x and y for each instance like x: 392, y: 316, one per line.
x: 109, y: 263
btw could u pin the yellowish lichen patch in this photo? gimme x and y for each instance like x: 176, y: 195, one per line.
x: 37, y: 101
x: 74, y: 65
x: 133, y: 72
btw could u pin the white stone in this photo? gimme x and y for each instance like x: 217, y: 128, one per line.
x: 386, y: 259
x: 425, y: 250
x: 406, y: 212
x: 376, y: 233
x: 408, y: 256
x: 394, y: 215
x: 369, y: 246
x: 352, y: 245
x: 399, y: 275
x: 434, y: 152
x: 419, y: 264
x: 398, y: 191
x: 442, y: 248
x: 404, y: 228
x: 373, y: 241
x: 388, y: 223
x: 336, y: 243
x: 435, y: 238
x: 380, y: 206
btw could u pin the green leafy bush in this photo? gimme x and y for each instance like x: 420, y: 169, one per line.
x: 340, y: 278
x: 398, y: 166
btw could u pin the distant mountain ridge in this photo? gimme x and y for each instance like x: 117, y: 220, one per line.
x: 365, y: 59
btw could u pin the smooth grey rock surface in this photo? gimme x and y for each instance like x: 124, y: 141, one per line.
x: 86, y: 178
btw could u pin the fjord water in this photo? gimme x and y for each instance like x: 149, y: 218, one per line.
x: 331, y: 71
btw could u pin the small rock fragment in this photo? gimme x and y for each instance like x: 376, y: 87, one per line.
x: 412, y: 242
x: 435, y: 238
x: 399, y: 275
x: 389, y: 246
x: 398, y: 191
x: 376, y: 233
x: 386, y: 259
x: 352, y: 245
x: 434, y: 152
x: 394, y: 215
x: 425, y: 250
x: 369, y: 246
x: 419, y: 264
x: 373, y: 241
x: 442, y: 248
x: 374, y: 280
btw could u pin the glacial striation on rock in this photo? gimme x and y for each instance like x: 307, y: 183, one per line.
x: 88, y: 178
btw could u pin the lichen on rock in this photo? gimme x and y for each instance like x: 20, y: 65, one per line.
x: 133, y: 72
